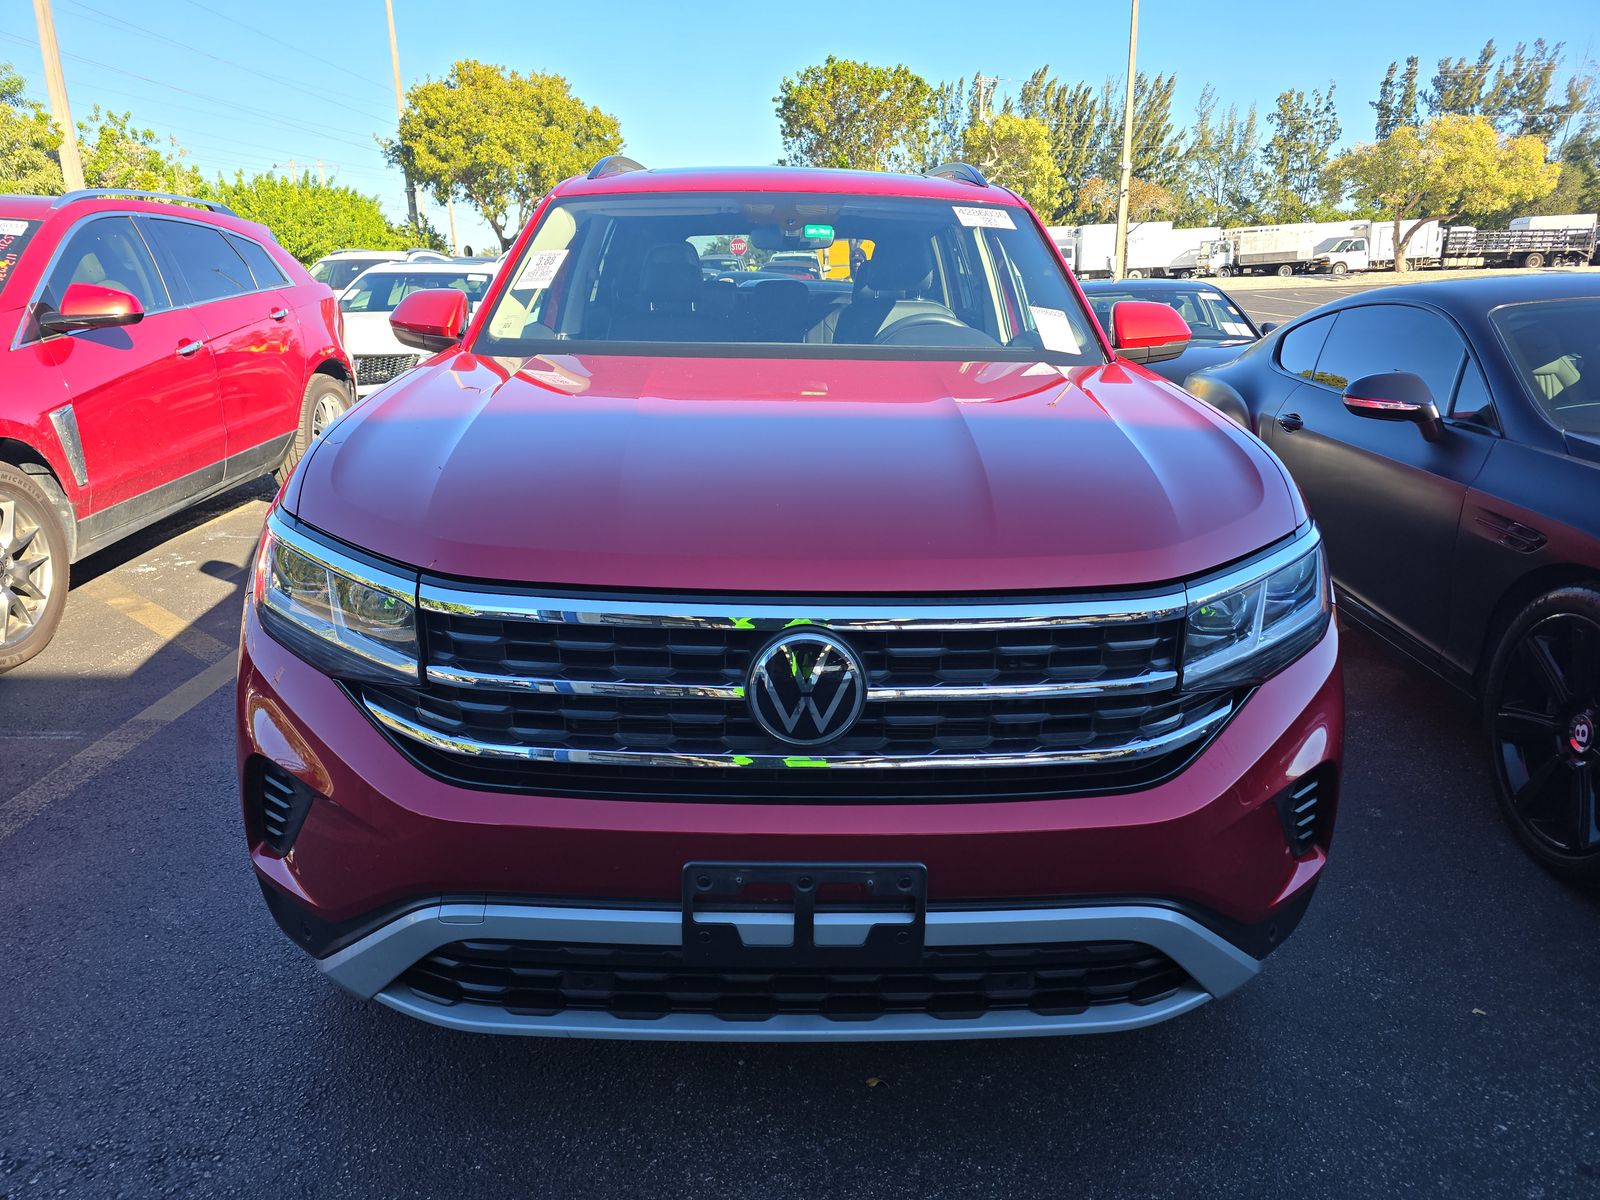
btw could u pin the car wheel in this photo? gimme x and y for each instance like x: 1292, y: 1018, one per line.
x: 1285, y: 270
x: 33, y: 568
x: 1533, y: 261
x: 1339, y: 268
x: 324, y: 403
x: 1134, y: 274
x: 1542, y: 708
x: 1224, y: 272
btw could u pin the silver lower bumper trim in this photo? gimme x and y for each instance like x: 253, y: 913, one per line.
x: 371, y: 967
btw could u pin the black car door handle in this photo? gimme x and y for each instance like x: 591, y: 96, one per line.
x: 1289, y: 422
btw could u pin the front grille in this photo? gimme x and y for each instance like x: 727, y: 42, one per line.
x: 647, y: 697
x: 380, y: 368
x: 543, y: 979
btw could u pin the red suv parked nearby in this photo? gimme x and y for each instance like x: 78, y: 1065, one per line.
x: 158, y: 350
x: 767, y: 658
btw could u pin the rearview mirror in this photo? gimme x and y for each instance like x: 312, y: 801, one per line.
x: 430, y: 320
x: 1145, y: 332
x: 1395, y: 396
x: 90, y: 306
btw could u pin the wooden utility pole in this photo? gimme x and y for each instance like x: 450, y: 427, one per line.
x: 55, y: 85
x: 450, y: 211
x: 400, y: 111
x: 1120, y: 267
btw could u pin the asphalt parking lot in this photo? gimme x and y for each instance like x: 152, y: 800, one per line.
x: 1429, y: 1031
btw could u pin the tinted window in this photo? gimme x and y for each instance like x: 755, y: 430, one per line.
x: 339, y: 273
x: 210, y: 267
x: 1377, y: 338
x: 381, y: 290
x: 1210, y: 315
x: 108, y: 252
x: 1472, y: 401
x: 1555, y: 347
x: 265, y: 271
x: 1298, y: 349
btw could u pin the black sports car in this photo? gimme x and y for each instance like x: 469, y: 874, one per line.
x: 1447, y: 439
x: 1219, y: 327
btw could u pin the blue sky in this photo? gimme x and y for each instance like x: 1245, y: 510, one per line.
x: 693, y: 82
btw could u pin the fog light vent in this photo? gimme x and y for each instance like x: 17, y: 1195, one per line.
x: 284, y: 803
x: 1298, y: 808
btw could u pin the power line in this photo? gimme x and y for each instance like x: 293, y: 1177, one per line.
x: 342, y: 68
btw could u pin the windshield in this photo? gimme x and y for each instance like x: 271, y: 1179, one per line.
x: 1210, y: 315
x: 1555, y: 347
x: 381, y: 291
x: 906, y: 278
x: 338, y: 272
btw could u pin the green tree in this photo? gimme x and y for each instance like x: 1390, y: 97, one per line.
x: 1015, y: 152
x: 1294, y: 182
x: 1513, y: 92
x: 1452, y: 166
x: 116, y: 154
x: 1396, y: 104
x: 311, y: 219
x: 843, y: 113
x: 1157, y: 147
x: 1219, y: 165
x: 1072, y: 115
x: 29, y: 140
x: 1146, y: 201
x: 498, y: 140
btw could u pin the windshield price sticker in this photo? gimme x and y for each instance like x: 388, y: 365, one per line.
x: 541, y: 269
x: 984, y: 218
x: 1055, y: 329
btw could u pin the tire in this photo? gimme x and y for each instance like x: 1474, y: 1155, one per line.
x: 1134, y: 274
x: 1284, y: 271
x: 325, y: 400
x: 1224, y: 272
x: 1542, y: 719
x: 34, y: 568
x: 1339, y: 268
x: 1533, y: 261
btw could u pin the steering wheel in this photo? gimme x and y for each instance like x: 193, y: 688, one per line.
x: 919, y: 330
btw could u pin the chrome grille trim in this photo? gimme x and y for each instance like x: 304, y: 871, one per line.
x: 1131, y: 685
x: 475, y: 748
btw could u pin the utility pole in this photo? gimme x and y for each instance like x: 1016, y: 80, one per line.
x: 400, y: 111
x: 55, y: 86
x: 450, y: 211
x: 1120, y: 267
x: 985, y: 85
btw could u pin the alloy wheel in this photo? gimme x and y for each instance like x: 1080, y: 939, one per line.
x: 1546, y: 733
x: 328, y: 410
x: 27, y: 573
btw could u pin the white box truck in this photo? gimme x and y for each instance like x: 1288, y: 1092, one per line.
x: 1369, y: 246
x: 1555, y: 221
x: 1155, y: 249
x: 1278, y: 249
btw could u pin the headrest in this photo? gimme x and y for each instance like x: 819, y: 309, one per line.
x: 670, y: 272
x: 904, y: 266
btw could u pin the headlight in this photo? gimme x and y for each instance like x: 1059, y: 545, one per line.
x: 1254, y: 626
x: 348, y: 618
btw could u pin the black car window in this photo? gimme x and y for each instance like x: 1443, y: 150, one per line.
x: 212, y: 268
x: 1472, y: 401
x: 108, y: 252
x: 1299, y: 347
x: 266, y: 271
x: 1375, y: 338
x: 1555, y: 347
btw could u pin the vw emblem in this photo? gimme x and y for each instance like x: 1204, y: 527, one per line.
x: 806, y: 688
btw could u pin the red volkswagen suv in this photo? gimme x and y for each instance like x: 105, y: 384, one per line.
x: 777, y: 658
x: 159, y: 349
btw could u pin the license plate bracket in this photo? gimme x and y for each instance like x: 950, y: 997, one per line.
x: 884, y: 921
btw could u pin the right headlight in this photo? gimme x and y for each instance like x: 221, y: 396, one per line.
x: 1250, y: 628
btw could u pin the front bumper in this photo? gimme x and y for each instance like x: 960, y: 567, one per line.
x: 391, y: 864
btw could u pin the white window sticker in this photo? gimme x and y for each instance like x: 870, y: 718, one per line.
x: 478, y: 278
x: 541, y: 269
x: 984, y: 218
x: 1055, y: 329
x: 12, y: 228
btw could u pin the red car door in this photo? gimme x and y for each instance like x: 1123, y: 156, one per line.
x: 142, y: 399
x: 251, y: 332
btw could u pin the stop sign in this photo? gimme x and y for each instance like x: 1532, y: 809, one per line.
x: 739, y: 244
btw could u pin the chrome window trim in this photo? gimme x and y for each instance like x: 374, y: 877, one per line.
x: 1140, y: 748
x: 1129, y: 685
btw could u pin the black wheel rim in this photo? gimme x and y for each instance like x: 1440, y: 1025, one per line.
x: 1546, y: 731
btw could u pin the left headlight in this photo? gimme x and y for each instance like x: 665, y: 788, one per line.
x: 349, y: 618
x: 1253, y: 626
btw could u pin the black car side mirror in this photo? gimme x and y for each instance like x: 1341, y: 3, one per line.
x: 1267, y: 327
x: 1395, y: 396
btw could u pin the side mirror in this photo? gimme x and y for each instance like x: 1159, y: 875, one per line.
x: 1395, y: 396
x: 1143, y: 332
x: 90, y: 306
x: 431, y: 320
x: 1267, y: 327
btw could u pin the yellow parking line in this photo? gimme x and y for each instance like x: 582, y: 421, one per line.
x: 169, y: 625
x: 83, y: 766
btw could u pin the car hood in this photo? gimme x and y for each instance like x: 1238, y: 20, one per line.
x: 1197, y: 356
x: 793, y: 475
